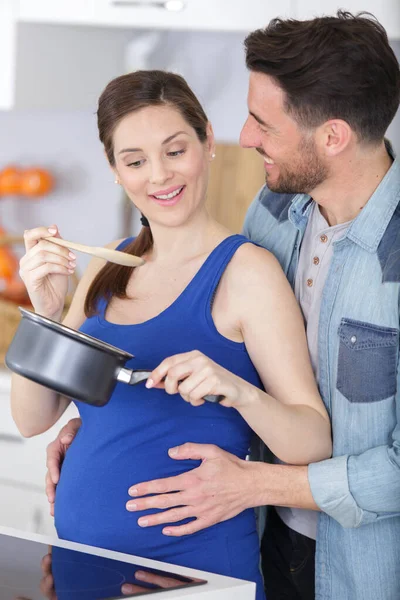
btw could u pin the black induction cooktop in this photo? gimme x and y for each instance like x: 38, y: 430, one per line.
x: 30, y: 570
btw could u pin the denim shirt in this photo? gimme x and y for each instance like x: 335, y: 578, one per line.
x: 358, y: 489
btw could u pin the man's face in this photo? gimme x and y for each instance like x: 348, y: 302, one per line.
x: 291, y: 159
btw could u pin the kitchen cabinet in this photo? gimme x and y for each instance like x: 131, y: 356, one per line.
x: 207, y: 15
x: 59, y: 55
x: 25, y: 507
x: 387, y: 11
x: 66, y: 51
x: 236, y: 176
x: 210, y: 15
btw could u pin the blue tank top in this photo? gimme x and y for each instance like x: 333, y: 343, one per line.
x: 127, y: 440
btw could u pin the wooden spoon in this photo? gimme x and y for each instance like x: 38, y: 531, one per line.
x: 114, y: 256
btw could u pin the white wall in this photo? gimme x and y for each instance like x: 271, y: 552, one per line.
x: 394, y: 129
x: 86, y: 204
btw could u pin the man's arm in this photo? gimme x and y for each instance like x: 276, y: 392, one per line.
x: 354, y: 490
x: 360, y: 489
x: 219, y: 489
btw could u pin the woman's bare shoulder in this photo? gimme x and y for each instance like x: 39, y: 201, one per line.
x: 252, y: 264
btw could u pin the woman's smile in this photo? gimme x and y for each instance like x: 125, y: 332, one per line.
x: 169, y: 197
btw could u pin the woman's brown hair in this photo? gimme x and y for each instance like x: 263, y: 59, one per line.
x: 122, y: 96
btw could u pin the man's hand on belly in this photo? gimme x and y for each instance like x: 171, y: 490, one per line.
x: 219, y: 489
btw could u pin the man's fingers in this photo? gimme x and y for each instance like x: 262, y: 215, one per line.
x: 195, y: 451
x: 169, y: 516
x: 69, y: 431
x: 53, y: 464
x: 66, y: 439
x: 158, y: 486
x: 187, y: 528
x: 157, y: 501
x: 50, y: 488
x: 46, y: 564
x: 56, y: 450
x: 160, y: 580
x: 47, y: 587
x: 130, y: 588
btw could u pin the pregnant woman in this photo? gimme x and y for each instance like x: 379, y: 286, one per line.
x: 209, y: 310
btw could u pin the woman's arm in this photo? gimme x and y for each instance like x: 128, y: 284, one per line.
x: 36, y: 408
x: 291, y: 417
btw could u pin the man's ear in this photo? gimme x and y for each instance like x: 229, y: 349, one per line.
x: 334, y: 136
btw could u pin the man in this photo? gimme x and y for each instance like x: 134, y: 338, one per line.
x: 322, y: 94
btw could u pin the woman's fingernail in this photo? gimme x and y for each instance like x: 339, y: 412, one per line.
x: 130, y: 506
x: 72, y: 255
x: 127, y: 588
x: 52, y: 230
x: 149, y: 383
x: 173, y: 451
x: 132, y: 491
x: 143, y: 522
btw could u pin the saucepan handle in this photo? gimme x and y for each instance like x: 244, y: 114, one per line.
x: 132, y: 377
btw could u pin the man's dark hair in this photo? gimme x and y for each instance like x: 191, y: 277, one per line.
x: 338, y: 67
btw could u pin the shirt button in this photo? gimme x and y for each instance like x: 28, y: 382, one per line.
x: 316, y: 260
x: 309, y: 282
x: 353, y: 339
x: 323, y: 238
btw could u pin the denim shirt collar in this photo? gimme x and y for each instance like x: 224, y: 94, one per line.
x: 368, y: 228
x: 370, y: 225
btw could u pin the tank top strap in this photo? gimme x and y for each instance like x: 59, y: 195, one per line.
x: 125, y: 243
x: 205, y: 284
x: 199, y: 294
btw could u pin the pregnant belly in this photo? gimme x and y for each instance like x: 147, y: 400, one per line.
x: 90, y: 507
x: 92, y: 494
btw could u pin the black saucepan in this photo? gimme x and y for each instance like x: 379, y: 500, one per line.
x: 69, y: 362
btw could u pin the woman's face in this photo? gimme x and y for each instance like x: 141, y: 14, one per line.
x: 162, y: 164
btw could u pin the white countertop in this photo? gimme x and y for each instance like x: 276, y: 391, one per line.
x: 217, y: 588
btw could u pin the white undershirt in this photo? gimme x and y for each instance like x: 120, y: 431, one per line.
x: 314, y: 260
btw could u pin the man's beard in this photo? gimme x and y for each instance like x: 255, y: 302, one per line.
x: 303, y: 176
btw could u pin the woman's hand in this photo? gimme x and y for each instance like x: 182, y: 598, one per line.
x: 45, y: 269
x: 193, y: 375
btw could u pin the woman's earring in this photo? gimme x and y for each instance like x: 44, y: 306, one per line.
x: 213, y: 156
x: 117, y: 181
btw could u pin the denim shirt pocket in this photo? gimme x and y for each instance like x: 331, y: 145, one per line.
x: 367, y: 363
